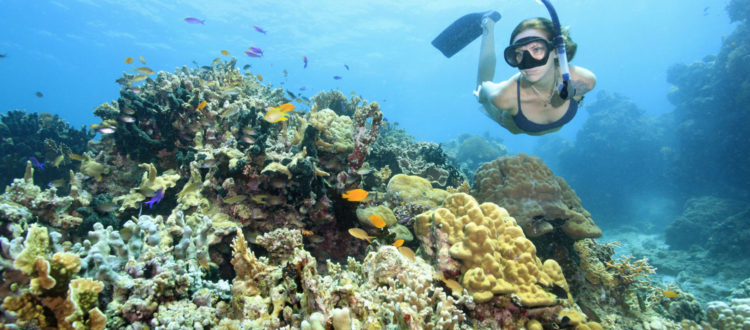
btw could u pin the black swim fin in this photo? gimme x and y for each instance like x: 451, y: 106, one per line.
x: 462, y: 32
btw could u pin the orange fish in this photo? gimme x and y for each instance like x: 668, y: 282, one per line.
x: 361, y: 234
x: 355, y: 195
x: 260, y: 78
x: 286, y: 107
x: 407, y: 252
x: 398, y: 243
x: 128, y: 60
x: 202, y: 105
x: 225, y: 52
x: 377, y: 221
x: 670, y: 294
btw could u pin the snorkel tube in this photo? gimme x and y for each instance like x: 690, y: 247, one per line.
x: 562, y: 56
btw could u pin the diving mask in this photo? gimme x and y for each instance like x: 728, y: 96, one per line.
x: 529, y: 52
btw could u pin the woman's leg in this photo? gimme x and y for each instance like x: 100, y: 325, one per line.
x: 487, y: 57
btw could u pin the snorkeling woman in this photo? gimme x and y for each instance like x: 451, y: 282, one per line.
x: 529, y: 102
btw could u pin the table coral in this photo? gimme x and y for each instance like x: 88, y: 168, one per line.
x: 531, y: 193
x: 496, y: 257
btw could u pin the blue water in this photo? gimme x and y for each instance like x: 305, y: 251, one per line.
x: 72, y: 51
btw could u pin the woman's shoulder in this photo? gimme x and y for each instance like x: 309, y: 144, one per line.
x: 581, y: 73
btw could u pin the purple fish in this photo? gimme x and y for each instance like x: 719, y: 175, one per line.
x: 347, y: 67
x: 256, y: 50
x: 304, y: 59
x: 252, y: 53
x: 193, y: 20
x: 259, y: 29
x: 36, y: 163
x: 337, y: 77
x: 156, y: 199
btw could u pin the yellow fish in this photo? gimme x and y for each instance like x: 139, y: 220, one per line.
x: 260, y: 78
x: 128, y: 60
x: 202, y: 105
x: 407, y: 252
x: 225, y: 52
x: 94, y: 126
x: 355, y: 195
x: 58, y: 161
x: 57, y: 183
x: 144, y: 70
x: 141, y: 59
x: 377, y: 221
x: 455, y: 287
x: 361, y: 234
x: 139, y: 77
x: 75, y: 157
x: 260, y: 199
x: 235, y: 199
x: 275, y: 116
x: 670, y: 294
x: 398, y: 243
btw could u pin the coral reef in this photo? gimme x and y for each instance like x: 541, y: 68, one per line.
x: 710, y: 97
x: 620, y: 161
x: 470, y: 151
x: 735, y: 315
x: 41, y: 135
x: 540, y: 201
x: 716, y: 224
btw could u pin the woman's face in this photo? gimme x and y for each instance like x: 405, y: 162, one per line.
x: 535, y: 73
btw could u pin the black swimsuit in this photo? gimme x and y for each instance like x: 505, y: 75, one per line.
x: 529, y: 126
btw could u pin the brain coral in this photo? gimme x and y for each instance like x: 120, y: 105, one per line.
x: 496, y: 258
x: 532, y: 194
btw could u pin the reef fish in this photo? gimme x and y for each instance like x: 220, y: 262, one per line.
x: 75, y: 157
x: 128, y: 60
x: 144, y: 70
x: 377, y: 221
x: 260, y: 78
x: 225, y: 52
x: 337, y: 77
x: 106, y: 207
x: 252, y: 53
x: 355, y: 195
x: 235, y: 199
x: 670, y: 294
x: 347, y: 67
x: 275, y: 115
x: 139, y: 77
x: 259, y: 29
x: 58, y: 161
x: 202, y: 105
x: 106, y: 130
x: 141, y: 59
x: 256, y: 50
x: 193, y: 20
x: 36, y: 163
x: 304, y: 59
x: 39, y: 94
x: 407, y: 252
x: 156, y: 199
x: 360, y: 234
x: 398, y: 243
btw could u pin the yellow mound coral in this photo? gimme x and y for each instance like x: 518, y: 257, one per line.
x: 414, y: 189
x: 496, y: 257
x: 336, y: 132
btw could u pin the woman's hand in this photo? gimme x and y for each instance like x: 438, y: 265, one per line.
x: 577, y: 88
x: 482, y: 93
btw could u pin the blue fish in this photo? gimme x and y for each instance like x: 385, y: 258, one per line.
x: 337, y: 77
x: 156, y: 199
x: 347, y: 67
x: 304, y: 59
x: 36, y: 163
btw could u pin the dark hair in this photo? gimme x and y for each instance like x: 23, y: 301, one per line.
x: 545, y: 25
